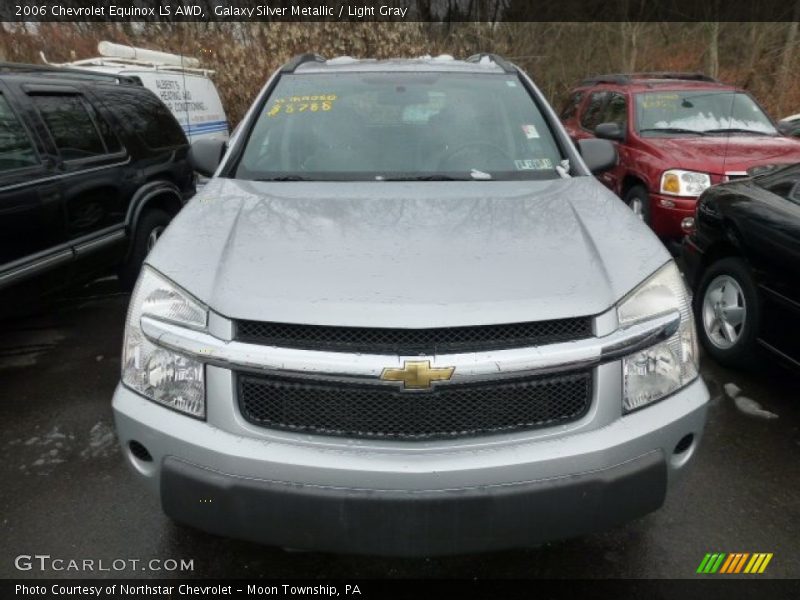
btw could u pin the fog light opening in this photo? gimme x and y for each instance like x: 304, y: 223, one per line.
x: 683, y: 445
x: 139, y: 451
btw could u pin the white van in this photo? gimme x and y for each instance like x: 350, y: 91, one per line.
x: 178, y: 80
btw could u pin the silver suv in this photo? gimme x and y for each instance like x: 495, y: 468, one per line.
x: 404, y: 318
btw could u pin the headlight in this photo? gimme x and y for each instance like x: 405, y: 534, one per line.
x: 162, y: 375
x: 651, y: 374
x: 676, y: 182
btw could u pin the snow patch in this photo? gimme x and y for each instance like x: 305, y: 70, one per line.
x: 746, y: 405
x: 102, y: 441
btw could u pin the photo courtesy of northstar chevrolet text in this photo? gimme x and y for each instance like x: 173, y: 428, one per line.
x: 343, y: 297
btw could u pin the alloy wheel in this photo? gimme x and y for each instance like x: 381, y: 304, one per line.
x: 724, y: 312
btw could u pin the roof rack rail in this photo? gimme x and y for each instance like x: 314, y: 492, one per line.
x: 68, y: 72
x: 495, y: 58
x: 623, y: 78
x: 298, y: 60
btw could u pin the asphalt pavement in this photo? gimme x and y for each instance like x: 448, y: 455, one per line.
x: 66, y: 492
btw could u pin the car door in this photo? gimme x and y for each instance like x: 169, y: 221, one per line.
x: 778, y: 224
x: 592, y: 114
x: 570, y: 113
x: 615, y: 111
x: 95, y: 170
x: 32, y: 224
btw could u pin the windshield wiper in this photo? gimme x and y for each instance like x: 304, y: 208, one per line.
x: 673, y: 130
x: 285, y: 178
x: 430, y: 177
x: 737, y: 130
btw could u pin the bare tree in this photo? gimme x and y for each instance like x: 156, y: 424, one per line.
x: 712, y: 51
x: 785, y: 71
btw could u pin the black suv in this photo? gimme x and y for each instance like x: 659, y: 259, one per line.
x: 92, y: 169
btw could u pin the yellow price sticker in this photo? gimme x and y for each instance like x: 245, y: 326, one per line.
x: 300, y: 104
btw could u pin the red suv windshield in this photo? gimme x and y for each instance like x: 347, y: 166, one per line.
x: 699, y: 112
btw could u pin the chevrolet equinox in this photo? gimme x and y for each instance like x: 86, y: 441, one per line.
x: 404, y: 318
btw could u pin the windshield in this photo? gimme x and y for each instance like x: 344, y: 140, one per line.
x: 429, y: 126
x: 681, y: 113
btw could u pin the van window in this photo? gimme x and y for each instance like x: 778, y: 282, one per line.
x: 16, y: 150
x: 147, y: 115
x: 70, y: 126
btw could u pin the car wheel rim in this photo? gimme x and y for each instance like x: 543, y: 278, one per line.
x: 153, y: 237
x: 724, y: 312
x: 637, y: 207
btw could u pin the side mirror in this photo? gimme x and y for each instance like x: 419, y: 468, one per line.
x: 610, y: 131
x: 206, y: 154
x: 599, y: 155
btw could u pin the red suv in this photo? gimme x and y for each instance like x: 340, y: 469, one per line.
x: 676, y: 134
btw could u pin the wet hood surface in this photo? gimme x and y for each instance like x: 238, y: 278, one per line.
x: 396, y: 254
x: 722, y: 154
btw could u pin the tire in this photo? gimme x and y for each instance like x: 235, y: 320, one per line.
x: 727, y: 311
x: 148, y: 229
x: 638, y: 200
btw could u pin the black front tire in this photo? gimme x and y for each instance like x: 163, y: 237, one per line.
x: 638, y: 195
x: 743, y: 352
x: 150, y: 223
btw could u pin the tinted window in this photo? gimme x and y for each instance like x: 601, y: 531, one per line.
x: 592, y: 114
x: 16, y: 150
x: 109, y: 137
x: 70, y: 126
x: 616, y: 110
x: 147, y: 116
x: 368, y: 126
x: 571, y: 106
x: 784, y: 182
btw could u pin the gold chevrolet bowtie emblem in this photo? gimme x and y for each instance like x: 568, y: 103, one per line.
x: 418, y: 374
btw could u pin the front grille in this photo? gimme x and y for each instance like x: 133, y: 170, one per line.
x: 386, y: 412
x: 437, y: 340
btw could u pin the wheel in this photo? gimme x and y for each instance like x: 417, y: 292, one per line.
x: 728, y: 312
x: 638, y: 201
x: 149, y: 228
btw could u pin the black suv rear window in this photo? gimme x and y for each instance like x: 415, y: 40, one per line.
x: 148, y: 117
x: 16, y: 150
x: 70, y: 126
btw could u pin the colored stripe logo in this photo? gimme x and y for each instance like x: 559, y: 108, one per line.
x: 736, y: 562
x: 208, y: 125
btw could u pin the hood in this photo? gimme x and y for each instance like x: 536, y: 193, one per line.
x: 418, y: 254
x: 719, y: 155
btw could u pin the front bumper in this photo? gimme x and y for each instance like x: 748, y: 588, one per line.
x: 667, y: 212
x: 392, y: 522
x: 411, y: 498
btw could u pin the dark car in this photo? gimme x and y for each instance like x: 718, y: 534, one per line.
x: 92, y: 169
x: 790, y: 126
x: 676, y: 134
x: 743, y: 261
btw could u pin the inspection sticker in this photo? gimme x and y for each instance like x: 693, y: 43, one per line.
x: 533, y: 164
x: 300, y: 104
x: 530, y: 132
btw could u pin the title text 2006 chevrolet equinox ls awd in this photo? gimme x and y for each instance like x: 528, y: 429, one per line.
x: 404, y: 318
